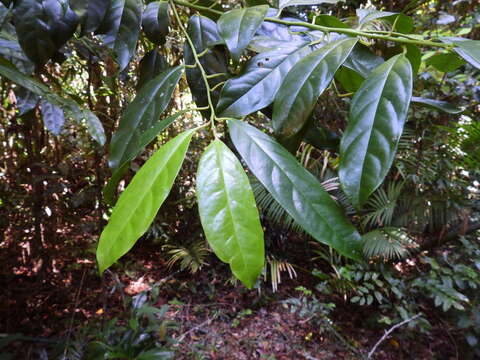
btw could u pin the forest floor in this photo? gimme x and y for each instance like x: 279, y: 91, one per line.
x: 208, y: 316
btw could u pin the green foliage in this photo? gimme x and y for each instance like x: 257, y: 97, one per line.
x: 228, y: 213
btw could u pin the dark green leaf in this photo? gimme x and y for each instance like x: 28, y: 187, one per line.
x: 26, y: 100
x: 121, y: 27
x: 284, y: 3
x: 155, y: 22
x: 94, y: 15
x: 330, y: 21
x: 53, y: 117
x: 367, y: 15
x: 305, y: 82
x: 228, y: 213
x: 437, y: 104
x: 322, y: 138
x: 204, y: 35
x: 142, y: 114
x: 257, y: 86
x: 295, y: 189
x: 445, y: 62
x: 362, y: 60
x: 211, y: 4
x: 12, y: 51
x: 377, y: 116
x: 43, y: 26
x: 70, y: 107
x: 237, y: 27
x: 139, y: 203
x: 257, y: 2
x: 151, y: 65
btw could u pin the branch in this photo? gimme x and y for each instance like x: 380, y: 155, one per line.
x: 392, y: 36
x: 388, y: 332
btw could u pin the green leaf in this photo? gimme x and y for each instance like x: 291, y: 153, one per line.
x: 26, y: 100
x: 43, y: 26
x: 139, y: 203
x: 469, y: 50
x: 367, y: 15
x: 321, y: 138
x: 305, y: 82
x: 377, y: 116
x: 155, y: 22
x: 446, y: 62
x: 401, y: 23
x: 12, y: 51
x: 362, y: 60
x: 52, y: 116
x: 349, y: 79
x: 296, y: 189
x: 204, y: 35
x: 257, y: 86
x: 238, y: 26
x: 330, y: 21
x: 151, y: 65
x: 91, y: 13
x: 228, y: 213
x: 70, y: 107
x: 284, y: 3
x: 121, y: 27
x: 142, y: 114
x: 437, y: 104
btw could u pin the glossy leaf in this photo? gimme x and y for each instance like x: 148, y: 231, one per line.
x: 43, y: 26
x: 469, y: 50
x: 257, y: 86
x: 204, y: 35
x: 70, y: 107
x: 151, y: 65
x: 238, y: 26
x: 142, y: 114
x: 295, y: 189
x: 121, y: 27
x: 437, y: 104
x: 377, y: 115
x: 155, y: 22
x: 446, y: 62
x: 349, y: 79
x: 305, y: 82
x: 284, y: 3
x: 367, y: 15
x: 362, y: 60
x: 52, y: 116
x: 229, y: 214
x: 139, y: 203
x: 144, y: 139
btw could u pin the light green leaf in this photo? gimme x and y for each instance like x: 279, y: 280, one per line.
x: 256, y: 87
x: 139, y: 203
x: 228, y: 213
x: 305, y: 82
x: 446, y: 62
x: 238, y: 26
x: 70, y: 107
x: 377, y: 116
x: 141, y: 115
x: 296, y: 189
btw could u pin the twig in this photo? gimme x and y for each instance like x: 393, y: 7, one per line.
x: 388, y: 332
x: 181, y: 337
x: 70, y: 327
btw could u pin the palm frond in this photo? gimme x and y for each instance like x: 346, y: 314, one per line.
x: 387, y: 243
x: 276, y: 269
x: 382, y: 204
x: 191, y: 257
